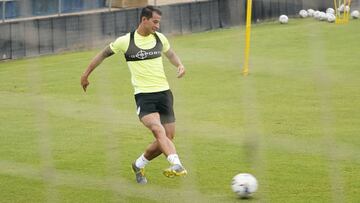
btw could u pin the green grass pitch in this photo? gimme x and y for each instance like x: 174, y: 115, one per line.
x: 294, y: 122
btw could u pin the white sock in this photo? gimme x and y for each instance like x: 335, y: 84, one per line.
x: 141, y: 161
x: 174, y: 159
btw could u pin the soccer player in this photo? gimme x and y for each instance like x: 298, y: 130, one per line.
x: 143, y: 49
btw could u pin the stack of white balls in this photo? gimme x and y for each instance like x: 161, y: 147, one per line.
x: 328, y: 16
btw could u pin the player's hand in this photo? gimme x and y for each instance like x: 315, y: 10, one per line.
x: 180, y: 71
x: 84, y: 82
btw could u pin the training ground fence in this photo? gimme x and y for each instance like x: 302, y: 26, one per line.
x: 36, y: 36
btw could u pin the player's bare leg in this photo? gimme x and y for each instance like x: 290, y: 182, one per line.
x: 153, y: 150
x: 164, y: 133
x: 162, y: 144
x: 152, y: 121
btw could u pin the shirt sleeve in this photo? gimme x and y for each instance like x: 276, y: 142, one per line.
x: 165, y: 42
x: 120, y: 44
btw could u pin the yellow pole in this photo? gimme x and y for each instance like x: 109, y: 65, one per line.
x: 347, y: 13
x: 247, y: 38
x: 336, y: 8
x: 342, y: 17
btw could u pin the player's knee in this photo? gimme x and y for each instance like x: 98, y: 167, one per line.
x: 157, y: 129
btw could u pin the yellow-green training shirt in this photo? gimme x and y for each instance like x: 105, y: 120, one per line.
x: 146, y: 75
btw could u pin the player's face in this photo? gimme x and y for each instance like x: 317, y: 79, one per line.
x: 153, y: 24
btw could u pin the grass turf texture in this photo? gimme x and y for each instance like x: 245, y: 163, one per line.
x: 293, y: 122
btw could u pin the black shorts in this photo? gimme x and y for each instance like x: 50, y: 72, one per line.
x: 160, y: 102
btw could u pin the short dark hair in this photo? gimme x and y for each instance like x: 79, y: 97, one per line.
x: 148, y: 12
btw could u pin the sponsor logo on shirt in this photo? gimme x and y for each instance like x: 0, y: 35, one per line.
x: 144, y: 54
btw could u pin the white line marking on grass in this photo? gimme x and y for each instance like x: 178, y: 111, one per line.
x: 45, y: 134
x: 322, y: 77
x: 123, y: 187
x: 254, y: 140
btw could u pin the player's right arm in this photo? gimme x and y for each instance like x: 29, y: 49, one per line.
x: 95, y: 62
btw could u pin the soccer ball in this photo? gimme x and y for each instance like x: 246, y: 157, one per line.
x: 283, y: 19
x: 341, y: 8
x: 330, y: 17
x: 347, y: 8
x: 317, y: 15
x: 330, y: 10
x: 310, y: 12
x: 323, y: 16
x: 303, y: 13
x: 355, y: 14
x: 244, y: 185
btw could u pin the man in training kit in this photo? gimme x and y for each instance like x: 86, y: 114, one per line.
x: 143, y: 49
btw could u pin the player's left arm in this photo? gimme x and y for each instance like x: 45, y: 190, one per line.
x: 175, y: 60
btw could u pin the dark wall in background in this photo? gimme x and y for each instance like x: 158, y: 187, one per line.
x: 28, y: 8
x: 55, y: 34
